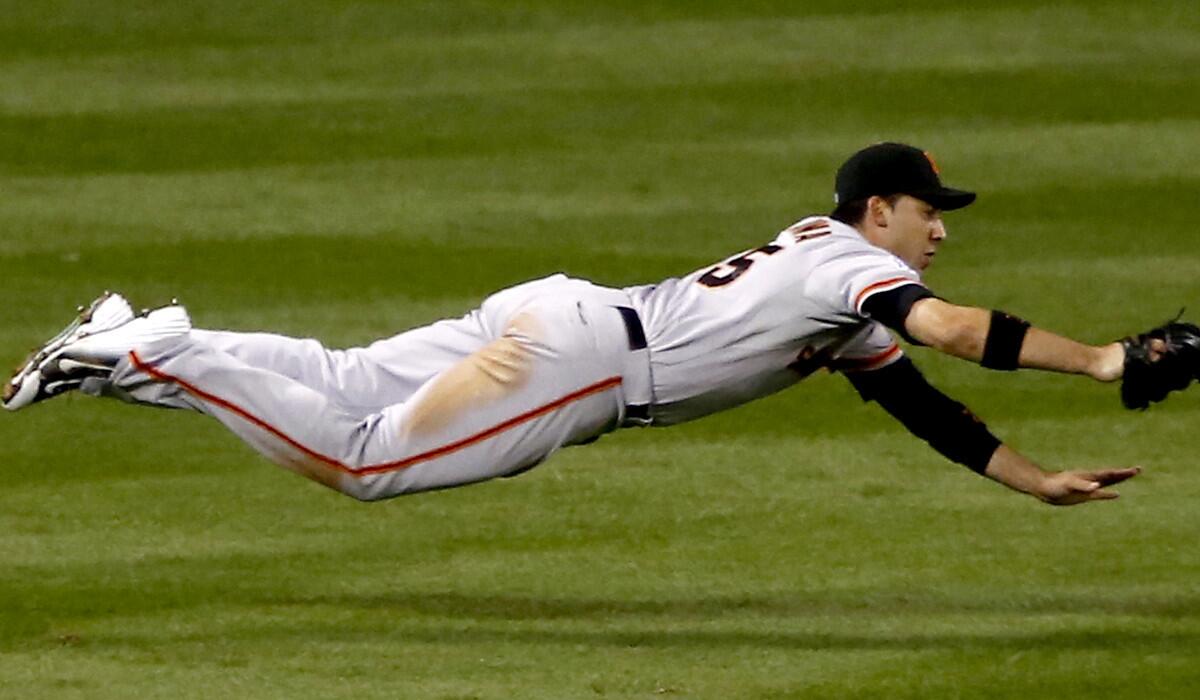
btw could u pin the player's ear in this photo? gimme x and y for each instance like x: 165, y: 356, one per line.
x: 877, y: 211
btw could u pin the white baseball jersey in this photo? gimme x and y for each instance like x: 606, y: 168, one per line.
x: 766, y: 318
x: 537, y: 367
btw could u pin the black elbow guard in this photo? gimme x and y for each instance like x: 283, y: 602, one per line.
x: 948, y: 426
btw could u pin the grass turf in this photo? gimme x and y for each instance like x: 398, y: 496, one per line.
x: 347, y: 169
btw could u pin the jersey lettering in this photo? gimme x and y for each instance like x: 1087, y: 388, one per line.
x: 802, y: 237
x: 730, y: 270
x: 811, y: 230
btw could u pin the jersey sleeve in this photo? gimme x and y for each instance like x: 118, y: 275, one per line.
x: 856, y: 274
x: 891, y: 307
x: 871, y: 349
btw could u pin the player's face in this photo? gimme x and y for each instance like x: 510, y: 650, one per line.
x: 915, y: 230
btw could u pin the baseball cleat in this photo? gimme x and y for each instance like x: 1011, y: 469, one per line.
x: 107, y: 311
x: 90, y: 347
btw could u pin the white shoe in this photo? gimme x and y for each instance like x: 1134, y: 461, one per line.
x: 106, y: 312
x: 90, y: 347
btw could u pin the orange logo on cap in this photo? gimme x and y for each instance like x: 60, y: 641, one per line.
x: 932, y: 163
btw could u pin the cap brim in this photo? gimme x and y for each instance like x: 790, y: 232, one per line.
x: 946, y: 198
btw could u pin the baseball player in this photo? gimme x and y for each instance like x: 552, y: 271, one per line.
x: 560, y: 361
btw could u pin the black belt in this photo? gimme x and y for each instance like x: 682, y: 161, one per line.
x: 637, y: 341
x: 633, y: 326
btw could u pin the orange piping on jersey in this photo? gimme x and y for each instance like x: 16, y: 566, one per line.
x: 158, y: 375
x: 872, y: 362
x: 867, y: 292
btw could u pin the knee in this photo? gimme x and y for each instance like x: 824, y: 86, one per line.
x: 361, y: 491
x: 372, y: 488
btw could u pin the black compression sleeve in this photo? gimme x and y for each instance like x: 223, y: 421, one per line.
x: 948, y: 426
x: 891, y: 307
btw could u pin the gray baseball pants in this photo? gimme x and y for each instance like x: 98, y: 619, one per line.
x: 537, y: 367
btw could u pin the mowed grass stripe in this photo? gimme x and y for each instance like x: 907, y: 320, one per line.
x: 548, y: 121
x: 809, y: 494
x: 68, y: 27
x: 806, y: 532
x: 393, y: 281
x: 609, y: 199
x: 344, y: 64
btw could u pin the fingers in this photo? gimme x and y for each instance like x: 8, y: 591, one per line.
x: 1158, y: 348
x: 1083, y: 492
x: 1083, y: 483
x: 1092, y: 483
x: 1108, y: 477
x: 1081, y: 487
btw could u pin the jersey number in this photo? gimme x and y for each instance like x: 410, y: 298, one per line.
x: 734, y: 268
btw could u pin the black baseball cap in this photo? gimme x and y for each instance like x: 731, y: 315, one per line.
x: 885, y: 169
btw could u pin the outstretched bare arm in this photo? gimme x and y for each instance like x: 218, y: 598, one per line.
x: 962, y: 331
x: 1064, y: 488
x: 955, y: 432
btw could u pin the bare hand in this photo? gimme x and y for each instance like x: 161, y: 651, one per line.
x: 1108, y: 362
x: 1071, y: 487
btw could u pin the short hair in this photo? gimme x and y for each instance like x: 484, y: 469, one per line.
x: 851, y: 213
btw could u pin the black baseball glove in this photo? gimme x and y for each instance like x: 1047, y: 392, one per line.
x: 1159, y: 361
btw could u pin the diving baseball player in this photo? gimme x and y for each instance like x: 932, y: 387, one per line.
x: 560, y: 361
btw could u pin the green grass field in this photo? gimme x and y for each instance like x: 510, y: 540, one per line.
x: 347, y: 169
